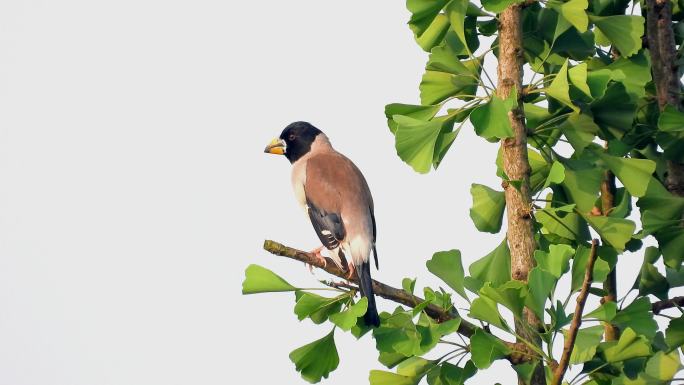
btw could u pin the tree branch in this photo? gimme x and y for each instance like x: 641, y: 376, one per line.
x: 380, y: 289
x: 659, y: 306
x: 610, y: 284
x: 576, y: 318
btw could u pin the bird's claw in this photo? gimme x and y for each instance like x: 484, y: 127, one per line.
x: 317, y: 253
x: 352, y: 270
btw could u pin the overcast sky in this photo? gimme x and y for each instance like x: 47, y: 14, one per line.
x: 135, y: 189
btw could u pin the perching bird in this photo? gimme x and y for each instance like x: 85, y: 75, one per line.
x: 334, y: 193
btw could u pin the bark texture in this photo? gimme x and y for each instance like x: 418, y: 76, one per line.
x: 663, y: 50
x: 517, y: 167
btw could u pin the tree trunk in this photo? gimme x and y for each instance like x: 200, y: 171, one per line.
x: 663, y: 50
x: 517, y: 167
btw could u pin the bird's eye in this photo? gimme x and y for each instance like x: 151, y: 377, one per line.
x: 291, y: 137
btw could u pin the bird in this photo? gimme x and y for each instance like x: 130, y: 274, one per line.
x: 335, y: 195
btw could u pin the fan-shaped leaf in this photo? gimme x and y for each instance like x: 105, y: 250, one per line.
x: 259, y: 279
x: 488, y: 208
x: 317, y: 359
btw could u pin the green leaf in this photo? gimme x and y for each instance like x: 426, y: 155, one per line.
x: 485, y: 309
x: 556, y: 261
x: 616, y: 231
x: 605, y: 312
x: 491, y: 119
x: 624, y: 31
x: 671, y: 120
x: 408, y: 284
x: 448, y: 267
x: 630, y: 345
x: 380, y: 377
x: 580, y: 130
x: 558, y: 317
x: 615, y: 111
x: 581, y: 184
x: 446, y: 77
x: 559, y: 221
x: 494, y: 267
x: 541, y: 284
x: 633, y: 72
x: 424, y: 113
x: 345, y: 320
x: 663, y: 366
x: 259, y: 279
x: 449, y: 374
x: 485, y: 349
x: 391, y: 360
x: 597, y: 81
x: 578, y: 77
x: 635, y: 174
x: 661, y: 202
x: 317, y: 359
x: 675, y: 278
x: 427, y: 22
x: 511, y: 294
x: 650, y: 281
x: 559, y: 88
x: 579, y: 267
x: 586, y: 343
x: 638, y: 317
x: 415, y: 367
x: 671, y: 242
x: 488, y: 208
x: 674, y: 335
x: 525, y: 371
x: 398, y: 334
x: 416, y: 141
x: 457, y: 13
x: 316, y: 307
x: 556, y: 174
x: 497, y: 6
x: 574, y: 12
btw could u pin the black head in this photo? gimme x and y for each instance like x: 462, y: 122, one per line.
x: 298, y: 137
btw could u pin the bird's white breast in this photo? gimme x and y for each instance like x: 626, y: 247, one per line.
x: 299, y: 180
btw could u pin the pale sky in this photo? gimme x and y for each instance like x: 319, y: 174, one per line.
x: 135, y: 190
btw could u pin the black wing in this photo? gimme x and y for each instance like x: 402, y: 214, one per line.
x: 328, y: 226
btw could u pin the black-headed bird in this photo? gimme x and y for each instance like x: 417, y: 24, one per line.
x: 335, y: 195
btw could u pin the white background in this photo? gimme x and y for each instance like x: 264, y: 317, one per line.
x: 134, y: 189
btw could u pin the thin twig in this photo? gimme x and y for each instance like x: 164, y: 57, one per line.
x: 576, y: 318
x: 659, y: 306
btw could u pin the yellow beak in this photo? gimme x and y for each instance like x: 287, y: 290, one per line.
x: 277, y: 146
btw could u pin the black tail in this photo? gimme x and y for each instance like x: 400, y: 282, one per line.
x: 366, y: 284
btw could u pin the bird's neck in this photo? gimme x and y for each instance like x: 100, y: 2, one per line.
x: 321, y: 144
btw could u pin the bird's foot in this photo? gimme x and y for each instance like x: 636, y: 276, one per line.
x: 352, y: 270
x: 317, y: 253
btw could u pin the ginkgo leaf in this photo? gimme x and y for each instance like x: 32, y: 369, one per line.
x: 413, y: 111
x: 574, y: 11
x: 427, y: 22
x: 317, y: 359
x: 485, y: 349
x: 559, y: 88
x: 447, y: 266
x: 488, y: 208
x: 624, y: 31
x: 416, y: 140
x: 491, y: 120
x: 259, y: 279
x: 635, y: 174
